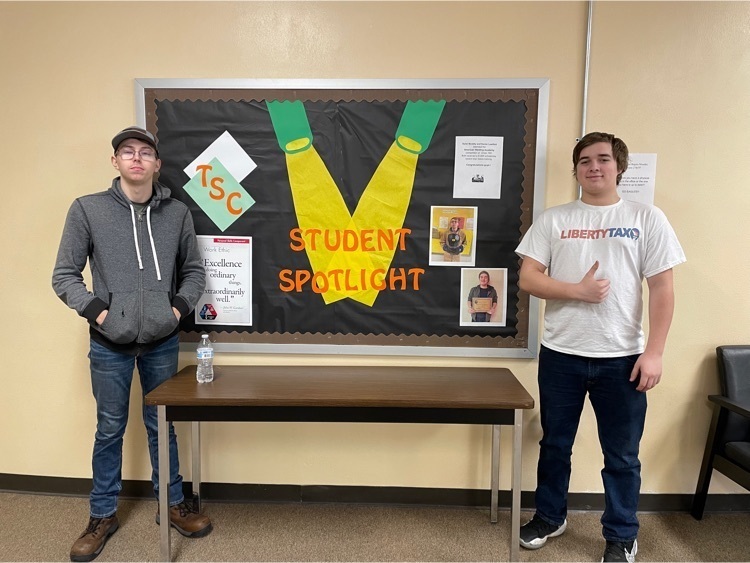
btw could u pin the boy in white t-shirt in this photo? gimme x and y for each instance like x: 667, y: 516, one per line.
x: 588, y: 259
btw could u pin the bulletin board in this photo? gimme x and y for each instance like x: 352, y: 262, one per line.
x: 356, y: 217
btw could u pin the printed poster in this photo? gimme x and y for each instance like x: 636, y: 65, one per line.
x: 227, y: 299
x: 479, y: 167
x: 638, y: 182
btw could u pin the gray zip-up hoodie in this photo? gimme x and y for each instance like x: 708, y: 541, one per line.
x: 141, y: 266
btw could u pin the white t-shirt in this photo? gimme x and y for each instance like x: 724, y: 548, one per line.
x: 631, y: 241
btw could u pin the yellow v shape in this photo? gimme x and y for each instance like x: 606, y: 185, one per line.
x: 381, y: 209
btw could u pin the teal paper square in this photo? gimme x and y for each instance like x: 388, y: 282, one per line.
x: 219, y: 180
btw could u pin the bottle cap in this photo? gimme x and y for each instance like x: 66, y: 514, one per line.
x: 204, y: 335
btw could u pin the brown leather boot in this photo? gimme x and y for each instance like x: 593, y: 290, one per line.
x: 186, y: 520
x: 92, y: 540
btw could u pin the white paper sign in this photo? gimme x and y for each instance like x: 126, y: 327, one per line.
x: 639, y: 180
x: 478, y: 167
x: 227, y: 299
x: 237, y: 162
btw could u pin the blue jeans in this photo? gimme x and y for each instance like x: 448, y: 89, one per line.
x: 111, y: 376
x: 564, y: 381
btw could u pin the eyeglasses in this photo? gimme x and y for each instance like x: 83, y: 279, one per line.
x: 143, y: 154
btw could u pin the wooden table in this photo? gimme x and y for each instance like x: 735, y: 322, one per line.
x: 491, y: 396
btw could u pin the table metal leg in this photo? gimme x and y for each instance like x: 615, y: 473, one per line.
x: 196, y: 449
x: 495, y: 475
x: 164, y: 483
x: 515, y: 508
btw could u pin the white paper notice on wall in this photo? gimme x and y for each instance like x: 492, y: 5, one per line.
x: 639, y: 180
x: 478, y: 168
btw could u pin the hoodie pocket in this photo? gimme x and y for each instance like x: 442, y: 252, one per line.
x: 158, y: 317
x: 121, y: 324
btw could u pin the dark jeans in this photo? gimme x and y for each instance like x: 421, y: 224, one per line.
x: 564, y: 382
x: 111, y: 376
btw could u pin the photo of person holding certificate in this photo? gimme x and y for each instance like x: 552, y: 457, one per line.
x: 482, y: 299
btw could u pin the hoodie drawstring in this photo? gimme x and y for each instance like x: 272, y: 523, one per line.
x: 150, y: 238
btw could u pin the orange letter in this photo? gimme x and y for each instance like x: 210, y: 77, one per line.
x: 214, y: 186
x: 415, y: 272
x: 317, y: 286
x: 296, y: 236
x: 373, y: 279
x: 402, y: 237
x: 385, y: 236
x: 313, y: 233
x: 350, y: 240
x: 347, y: 285
x: 302, y: 277
x: 284, y: 276
x: 336, y: 274
x: 401, y: 276
x: 327, y: 239
x: 204, y: 168
x: 366, y: 235
x: 233, y: 210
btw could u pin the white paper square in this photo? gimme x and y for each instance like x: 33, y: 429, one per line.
x: 237, y: 162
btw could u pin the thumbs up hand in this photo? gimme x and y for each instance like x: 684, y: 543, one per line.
x: 590, y: 289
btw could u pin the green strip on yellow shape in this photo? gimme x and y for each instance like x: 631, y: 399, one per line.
x: 418, y: 124
x: 291, y: 125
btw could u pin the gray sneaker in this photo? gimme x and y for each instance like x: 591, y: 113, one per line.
x: 534, y: 533
x: 621, y: 551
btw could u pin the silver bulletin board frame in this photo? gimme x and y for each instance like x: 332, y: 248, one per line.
x: 293, y: 345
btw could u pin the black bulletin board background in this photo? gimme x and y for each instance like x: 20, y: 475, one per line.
x: 352, y: 131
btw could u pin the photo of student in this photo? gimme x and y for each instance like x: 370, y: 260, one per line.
x: 453, y: 241
x: 453, y: 238
x: 483, y: 300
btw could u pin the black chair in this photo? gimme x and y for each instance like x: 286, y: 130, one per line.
x: 728, y: 443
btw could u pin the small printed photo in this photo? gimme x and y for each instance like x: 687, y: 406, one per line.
x: 483, y: 297
x: 453, y: 236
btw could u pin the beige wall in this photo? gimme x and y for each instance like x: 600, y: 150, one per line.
x: 670, y: 78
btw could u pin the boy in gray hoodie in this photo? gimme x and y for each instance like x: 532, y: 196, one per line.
x: 146, y: 272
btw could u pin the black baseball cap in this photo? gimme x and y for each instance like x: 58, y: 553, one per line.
x: 134, y: 132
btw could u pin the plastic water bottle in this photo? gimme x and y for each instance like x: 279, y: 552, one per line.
x: 205, y: 356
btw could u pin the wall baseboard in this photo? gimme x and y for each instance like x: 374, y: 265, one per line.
x: 229, y: 492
